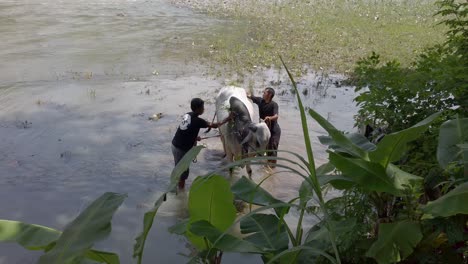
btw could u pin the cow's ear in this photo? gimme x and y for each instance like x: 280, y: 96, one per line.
x: 253, y: 127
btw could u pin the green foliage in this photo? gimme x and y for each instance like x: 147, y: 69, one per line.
x: 148, y: 218
x: 338, y: 137
x: 454, y: 202
x: 266, y: 231
x: 317, y: 34
x: 372, y: 169
x: 92, y: 225
x: 36, y: 237
x: 73, y: 245
x: 396, y: 241
x: 313, y: 179
x: 211, y: 200
x: 455, y: 15
x: 208, y: 225
x: 252, y: 193
x: 29, y: 236
x: 393, y: 146
x: 452, y: 137
x: 393, y: 97
x: 221, y: 241
x: 355, y: 138
x: 102, y: 256
x: 371, y: 176
x: 392, y: 193
x: 393, y: 196
x: 317, y: 237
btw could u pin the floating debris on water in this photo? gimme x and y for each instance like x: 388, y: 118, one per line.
x: 155, y: 117
x: 23, y: 124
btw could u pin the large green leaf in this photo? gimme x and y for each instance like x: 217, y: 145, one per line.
x: 293, y: 255
x: 266, y: 231
x: 310, y: 155
x: 305, y: 131
x: 452, y: 133
x: 338, y: 138
x: 339, y: 182
x: 306, y: 193
x: 250, y: 192
x: 464, y: 149
x: 211, y: 199
x: 325, y: 168
x: 370, y: 176
x: 323, y: 175
x: 393, y: 146
x: 357, y: 139
x: 452, y: 203
x: 148, y: 219
x: 32, y: 237
x: 37, y: 237
x: 402, y: 179
x: 224, y: 242
x: 183, y: 165
x: 396, y: 241
x: 92, y: 225
x: 321, y: 233
x: 102, y: 256
x: 180, y: 228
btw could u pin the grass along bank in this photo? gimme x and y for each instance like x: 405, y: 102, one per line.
x: 316, y: 34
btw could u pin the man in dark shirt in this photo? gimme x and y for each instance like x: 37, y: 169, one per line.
x: 186, y: 135
x: 268, y: 111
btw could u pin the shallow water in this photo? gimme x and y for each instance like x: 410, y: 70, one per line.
x: 78, y: 81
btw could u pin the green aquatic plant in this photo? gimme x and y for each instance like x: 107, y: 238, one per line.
x: 74, y: 244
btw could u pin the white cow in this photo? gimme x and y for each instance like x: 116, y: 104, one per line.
x: 241, y: 137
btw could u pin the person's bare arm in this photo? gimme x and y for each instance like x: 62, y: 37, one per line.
x: 227, y: 119
x: 271, y: 118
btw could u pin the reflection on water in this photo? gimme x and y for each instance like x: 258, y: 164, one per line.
x: 79, y: 80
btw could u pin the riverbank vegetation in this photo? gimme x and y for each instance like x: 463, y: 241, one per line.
x: 329, y: 35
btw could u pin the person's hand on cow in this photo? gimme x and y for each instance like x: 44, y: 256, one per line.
x: 268, y: 119
x: 199, y: 138
x: 227, y: 119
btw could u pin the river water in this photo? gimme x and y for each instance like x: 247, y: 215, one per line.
x: 79, y: 80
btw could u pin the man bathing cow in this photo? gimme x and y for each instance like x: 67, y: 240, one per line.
x: 186, y: 135
x: 241, y: 137
x: 268, y: 111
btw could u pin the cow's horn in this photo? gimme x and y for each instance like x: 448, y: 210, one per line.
x: 247, y: 138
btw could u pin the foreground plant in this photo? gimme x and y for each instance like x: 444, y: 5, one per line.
x: 149, y: 216
x: 399, y: 227
x: 396, y: 225
x: 393, y: 97
x: 266, y: 233
x: 75, y: 243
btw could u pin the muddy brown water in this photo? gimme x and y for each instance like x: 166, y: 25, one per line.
x: 79, y: 80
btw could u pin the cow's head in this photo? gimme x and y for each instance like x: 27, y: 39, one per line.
x: 257, y: 138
